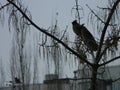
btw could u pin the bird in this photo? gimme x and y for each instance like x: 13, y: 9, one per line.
x: 17, y: 80
x: 88, y: 39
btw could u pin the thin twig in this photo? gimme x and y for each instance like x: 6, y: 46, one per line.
x: 116, y: 79
x: 2, y: 7
x: 103, y: 8
x: 77, y: 9
x: 98, y: 16
x: 111, y: 60
x: 95, y: 14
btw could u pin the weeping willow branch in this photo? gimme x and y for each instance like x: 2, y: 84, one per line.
x: 55, y: 43
x: 48, y: 34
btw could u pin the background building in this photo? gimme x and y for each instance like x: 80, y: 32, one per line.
x: 108, y: 79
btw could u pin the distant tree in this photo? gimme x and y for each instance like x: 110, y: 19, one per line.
x: 107, y: 43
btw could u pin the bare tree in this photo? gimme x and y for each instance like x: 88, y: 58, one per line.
x: 109, y: 36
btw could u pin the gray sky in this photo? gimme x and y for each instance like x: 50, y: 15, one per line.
x: 43, y: 11
x: 43, y: 14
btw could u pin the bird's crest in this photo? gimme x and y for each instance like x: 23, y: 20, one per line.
x: 75, y: 21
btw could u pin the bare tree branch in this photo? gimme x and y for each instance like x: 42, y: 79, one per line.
x: 95, y: 14
x: 109, y: 61
x: 4, y: 6
x: 107, y: 47
x: 105, y: 29
x: 103, y: 8
x: 48, y: 34
x: 116, y: 79
x: 77, y: 9
x: 98, y: 16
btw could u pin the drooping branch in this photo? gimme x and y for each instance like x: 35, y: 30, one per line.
x: 105, y: 29
x: 48, y: 34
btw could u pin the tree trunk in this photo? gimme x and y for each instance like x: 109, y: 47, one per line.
x: 94, y: 78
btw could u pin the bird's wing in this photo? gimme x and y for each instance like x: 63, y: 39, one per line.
x: 89, y: 39
x: 86, y: 34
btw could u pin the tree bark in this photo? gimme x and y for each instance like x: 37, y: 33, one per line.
x: 94, y: 78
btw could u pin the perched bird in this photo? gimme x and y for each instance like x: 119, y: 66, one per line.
x: 85, y: 35
x: 17, y: 80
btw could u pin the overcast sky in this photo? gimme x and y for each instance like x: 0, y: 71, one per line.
x: 43, y: 14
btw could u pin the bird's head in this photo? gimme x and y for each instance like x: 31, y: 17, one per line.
x: 74, y: 22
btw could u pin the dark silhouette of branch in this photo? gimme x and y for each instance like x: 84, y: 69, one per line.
x: 105, y: 29
x: 48, y: 34
x: 2, y: 7
x: 103, y: 8
x: 109, y: 61
x: 77, y: 9
x: 55, y: 43
x: 116, y: 79
x: 107, y: 47
x: 95, y: 14
x: 98, y: 16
